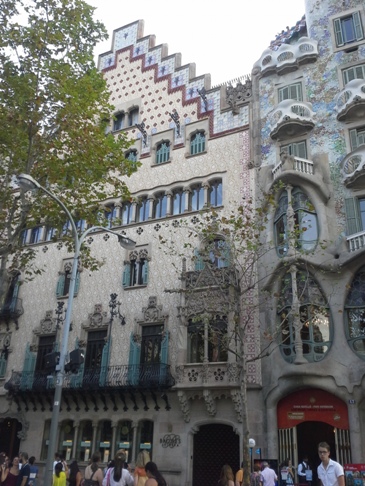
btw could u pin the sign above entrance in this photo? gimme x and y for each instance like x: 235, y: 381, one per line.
x: 312, y: 405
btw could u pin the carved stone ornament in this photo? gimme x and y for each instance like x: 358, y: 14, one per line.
x: 184, y: 405
x: 47, y: 326
x: 209, y: 402
x: 152, y: 313
x: 238, y: 94
x: 97, y: 319
x: 236, y: 399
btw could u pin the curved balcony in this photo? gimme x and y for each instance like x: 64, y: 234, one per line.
x: 303, y: 166
x: 287, y: 58
x: 291, y: 118
x: 353, y: 168
x: 350, y: 103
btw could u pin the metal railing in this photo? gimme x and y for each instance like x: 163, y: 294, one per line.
x: 142, y: 376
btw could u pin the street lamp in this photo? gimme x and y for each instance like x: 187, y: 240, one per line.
x: 251, y: 445
x: 27, y: 183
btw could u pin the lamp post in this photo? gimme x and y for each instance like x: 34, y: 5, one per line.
x: 27, y: 183
x: 251, y: 445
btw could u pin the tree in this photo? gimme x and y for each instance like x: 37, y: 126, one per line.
x: 54, y: 114
x: 223, y: 297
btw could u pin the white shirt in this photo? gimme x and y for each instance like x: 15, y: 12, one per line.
x: 300, y: 468
x: 269, y: 476
x: 330, y: 475
x: 125, y: 480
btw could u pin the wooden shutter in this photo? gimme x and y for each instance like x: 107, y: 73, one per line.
x: 338, y: 32
x: 60, y: 285
x: 353, y: 139
x: 352, y: 216
x: 134, y: 360
x: 126, y: 279
x: 105, y: 362
x: 359, y: 34
x: 26, y: 380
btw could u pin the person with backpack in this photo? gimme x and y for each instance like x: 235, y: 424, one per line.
x: 93, y: 473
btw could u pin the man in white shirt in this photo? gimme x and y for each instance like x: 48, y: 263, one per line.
x: 269, y: 475
x: 302, y: 468
x: 330, y: 472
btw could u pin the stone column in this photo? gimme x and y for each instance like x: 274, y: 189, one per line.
x: 95, y: 430
x: 114, y: 439
x: 135, y: 446
x: 76, y: 438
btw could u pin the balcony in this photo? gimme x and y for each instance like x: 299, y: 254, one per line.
x: 291, y: 118
x: 287, y: 58
x: 303, y: 166
x: 216, y: 375
x: 12, y: 310
x: 356, y: 242
x: 97, y: 387
x: 350, y: 103
x: 353, y: 168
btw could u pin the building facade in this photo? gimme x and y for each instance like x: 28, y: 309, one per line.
x: 147, y: 381
x: 308, y: 124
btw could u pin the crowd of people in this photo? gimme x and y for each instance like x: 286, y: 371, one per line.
x: 21, y: 471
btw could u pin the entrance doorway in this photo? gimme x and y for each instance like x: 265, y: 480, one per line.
x: 214, y: 446
x: 9, y: 440
x: 309, y: 435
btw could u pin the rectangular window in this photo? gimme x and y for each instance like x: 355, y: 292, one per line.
x: 354, y: 72
x: 357, y: 137
x: 291, y: 92
x: 133, y: 117
x: 119, y: 122
x: 348, y: 29
x: 35, y: 235
x: 355, y: 215
x: 297, y: 149
x: 197, y: 198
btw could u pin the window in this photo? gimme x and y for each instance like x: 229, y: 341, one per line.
x: 305, y: 226
x: 314, y: 318
x: 66, y: 228
x: 50, y: 233
x: 197, y: 198
x: 111, y: 215
x: 197, y: 143
x: 215, y: 193
x: 355, y: 314
x: 291, y: 92
x: 127, y: 209
x: 64, y: 281
x: 162, y: 152
x: 119, y: 121
x: 297, y: 149
x: 357, y: 137
x: 136, y: 269
x: 354, y: 72
x: 35, y: 235
x: 132, y: 155
x: 133, y: 117
x: 160, y: 206
x: 178, y: 201
x: 348, y: 29
x: 216, y: 252
x: 143, y: 210
x: 95, y: 350
x: 80, y: 225
x: 12, y: 305
x: 215, y: 333
x: 355, y: 215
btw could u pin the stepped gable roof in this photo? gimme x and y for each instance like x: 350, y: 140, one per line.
x: 286, y: 36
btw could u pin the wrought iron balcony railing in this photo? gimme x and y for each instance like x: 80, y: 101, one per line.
x: 126, y: 377
x: 12, y: 309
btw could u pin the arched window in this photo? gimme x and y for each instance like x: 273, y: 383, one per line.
x: 305, y: 225
x: 132, y: 155
x: 162, y: 152
x: 314, y: 318
x: 119, y: 121
x: 178, y: 199
x: 160, y: 206
x: 215, y: 333
x: 197, y: 143
x: 197, y: 198
x: 215, y: 193
x: 143, y: 210
x: 111, y: 214
x: 355, y: 314
x: 126, y: 213
x: 216, y: 252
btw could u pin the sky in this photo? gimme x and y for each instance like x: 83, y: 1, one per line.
x: 222, y: 38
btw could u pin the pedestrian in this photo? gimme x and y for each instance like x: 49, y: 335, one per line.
x: 155, y: 478
x: 74, y: 474
x: 140, y: 476
x: 10, y: 472
x: 330, y: 472
x: 302, y: 468
x: 256, y: 478
x: 286, y: 473
x: 33, y: 472
x: 24, y: 473
x: 269, y: 475
x: 93, y: 472
x: 118, y: 475
x: 239, y: 476
x: 59, y: 476
x: 227, y: 477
